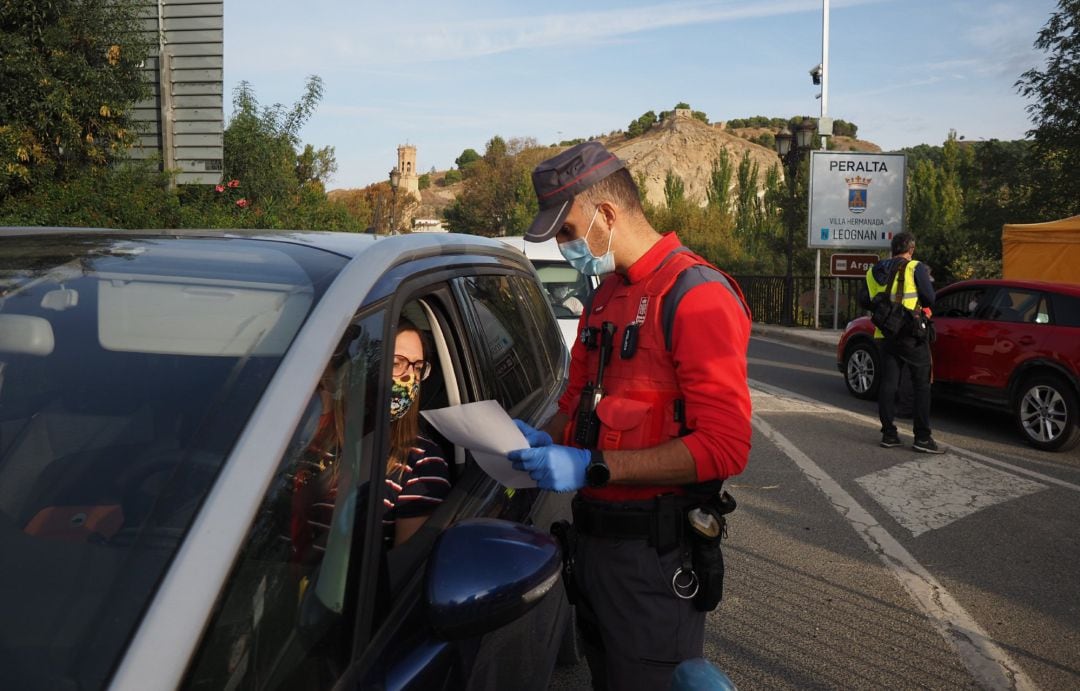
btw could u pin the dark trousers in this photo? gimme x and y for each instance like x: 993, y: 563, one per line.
x: 644, y: 630
x: 898, y: 354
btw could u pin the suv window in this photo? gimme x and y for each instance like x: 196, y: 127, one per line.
x: 1016, y: 305
x: 286, y: 599
x: 523, y: 353
x: 961, y: 303
x: 1066, y: 309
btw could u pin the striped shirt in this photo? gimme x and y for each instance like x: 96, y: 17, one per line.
x: 421, y: 487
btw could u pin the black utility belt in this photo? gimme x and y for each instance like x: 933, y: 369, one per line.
x: 660, y: 522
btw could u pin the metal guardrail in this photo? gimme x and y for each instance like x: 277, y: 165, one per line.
x: 765, y: 295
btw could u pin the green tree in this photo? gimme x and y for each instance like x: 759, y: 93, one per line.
x: 260, y: 144
x: 451, y: 177
x: 674, y: 190
x: 682, y: 105
x: 467, y: 156
x: 1055, y: 111
x: 718, y: 192
x: 316, y: 165
x: 641, y: 125
x: 747, y: 208
x: 497, y: 197
x: 425, y: 181
x: 71, y: 72
x: 640, y: 179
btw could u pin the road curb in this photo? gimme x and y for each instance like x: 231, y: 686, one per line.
x: 813, y: 339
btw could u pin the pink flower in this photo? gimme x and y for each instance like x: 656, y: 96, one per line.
x: 234, y: 183
x: 219, y: 188
x: 241, y: 203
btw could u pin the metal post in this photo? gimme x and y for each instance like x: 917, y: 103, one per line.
x: 789, y: 279
x: 836, y: 303
x: 824, y: 140
x: 167, y: 115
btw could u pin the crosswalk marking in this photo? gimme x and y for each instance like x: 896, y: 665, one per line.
x: 932, y: 492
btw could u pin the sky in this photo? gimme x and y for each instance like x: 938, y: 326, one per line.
x: 449, y: 75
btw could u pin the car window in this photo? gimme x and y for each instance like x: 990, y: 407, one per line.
x: 282, y: 621
x: 565, y: 287
x: 1015, y: 305
x: 1066, y: 309
x: 128, y: 368
x: 961, y: 303
x: 522, y: 360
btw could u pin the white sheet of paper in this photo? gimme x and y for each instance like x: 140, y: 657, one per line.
x: 485, y: 429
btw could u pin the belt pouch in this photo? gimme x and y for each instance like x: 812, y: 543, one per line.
x: 708, y: 563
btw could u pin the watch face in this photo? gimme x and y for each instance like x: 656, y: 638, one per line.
x: 597, y: 474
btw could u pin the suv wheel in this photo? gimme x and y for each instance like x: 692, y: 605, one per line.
x: 862, y: 370
x: 1046, y: 410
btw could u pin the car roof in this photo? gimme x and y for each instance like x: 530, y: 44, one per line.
x: 1063, y: 288
x: 547, y: 250
x: 346, y: 244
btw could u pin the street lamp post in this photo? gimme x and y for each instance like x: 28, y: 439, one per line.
x: 395, y: 180
x: 791, y: 149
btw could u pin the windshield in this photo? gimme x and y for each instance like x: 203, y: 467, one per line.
x: 128, y: 368
x: 566, y: 289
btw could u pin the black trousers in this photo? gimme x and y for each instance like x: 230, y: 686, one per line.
x: 897, y: 354
x: 645, y: 631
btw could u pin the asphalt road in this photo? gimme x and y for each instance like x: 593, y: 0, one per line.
x: 856, y: 567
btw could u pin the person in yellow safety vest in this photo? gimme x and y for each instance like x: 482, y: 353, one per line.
x: 903, y: 350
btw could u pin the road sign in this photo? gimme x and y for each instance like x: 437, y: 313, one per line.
x: 851, y: 264
x: 856, y: 199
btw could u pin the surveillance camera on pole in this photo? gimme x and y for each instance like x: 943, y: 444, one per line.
x: 815, y: 74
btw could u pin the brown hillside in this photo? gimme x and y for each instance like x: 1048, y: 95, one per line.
x: 685, y: 146
x: 688, y: 148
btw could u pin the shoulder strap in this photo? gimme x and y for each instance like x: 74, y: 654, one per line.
x: 689, y: 278
x: 890, y: 287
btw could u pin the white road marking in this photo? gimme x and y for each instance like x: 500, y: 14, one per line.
x: 934, y: 491
x: 828, y: 408
x: 988, y: 663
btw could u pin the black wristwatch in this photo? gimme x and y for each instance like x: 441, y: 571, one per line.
x: 597, y: 473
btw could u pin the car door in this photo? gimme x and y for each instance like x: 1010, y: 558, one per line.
x: 1014, y: 331
x: 288, y: 612
x: 403, y: 651
x: 958, y: 324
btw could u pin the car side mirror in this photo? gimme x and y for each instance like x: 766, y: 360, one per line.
x: 485, y: 573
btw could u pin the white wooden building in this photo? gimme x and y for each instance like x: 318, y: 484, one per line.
x: 184, y: 117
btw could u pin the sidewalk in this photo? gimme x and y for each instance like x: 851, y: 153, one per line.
x: 825, y: 339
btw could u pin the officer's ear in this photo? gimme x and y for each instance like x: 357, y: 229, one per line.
x: 610, y: 212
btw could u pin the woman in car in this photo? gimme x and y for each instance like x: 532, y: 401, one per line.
x: 417, y: 475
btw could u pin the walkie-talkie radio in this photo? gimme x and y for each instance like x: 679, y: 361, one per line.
x: 587, y: 427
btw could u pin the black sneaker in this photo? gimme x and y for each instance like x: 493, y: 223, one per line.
x: 888, y: 441
x: 927, y: 446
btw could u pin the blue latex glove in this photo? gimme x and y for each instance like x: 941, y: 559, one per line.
x: 554, y: 467
x: 535, y: 437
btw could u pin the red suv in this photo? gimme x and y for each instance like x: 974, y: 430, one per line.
x: 1007, y: 344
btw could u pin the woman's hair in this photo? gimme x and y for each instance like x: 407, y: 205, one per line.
x: 405, y: 430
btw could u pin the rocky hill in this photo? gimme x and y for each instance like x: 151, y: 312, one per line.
x: 684, y: 145
x: 687, y: 147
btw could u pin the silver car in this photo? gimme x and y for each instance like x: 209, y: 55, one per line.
x: 159, y: 406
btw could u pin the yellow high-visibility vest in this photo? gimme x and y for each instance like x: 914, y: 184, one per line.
x: 909, y: 298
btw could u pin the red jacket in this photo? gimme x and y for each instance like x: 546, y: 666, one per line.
x: 705, y: 368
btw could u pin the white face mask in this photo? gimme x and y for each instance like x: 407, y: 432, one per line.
x: 578, y: 254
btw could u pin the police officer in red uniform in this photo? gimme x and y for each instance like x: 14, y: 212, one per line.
x: 655, y: 416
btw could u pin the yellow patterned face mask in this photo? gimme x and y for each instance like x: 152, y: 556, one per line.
x: 403, y: 393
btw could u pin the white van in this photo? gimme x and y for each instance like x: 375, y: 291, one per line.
x: 566, y: 288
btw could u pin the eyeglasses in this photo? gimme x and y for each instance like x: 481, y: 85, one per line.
x: 402, y: 365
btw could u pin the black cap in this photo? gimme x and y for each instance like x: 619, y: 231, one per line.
x: 562, y: 177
